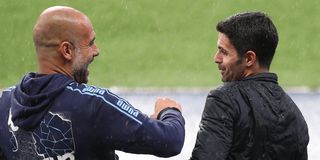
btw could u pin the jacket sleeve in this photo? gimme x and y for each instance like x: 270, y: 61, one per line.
x: 214, y: 138
x: 118, y: 125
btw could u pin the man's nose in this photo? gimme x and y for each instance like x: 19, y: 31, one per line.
x: 97, y: 51
x: 217, y: 58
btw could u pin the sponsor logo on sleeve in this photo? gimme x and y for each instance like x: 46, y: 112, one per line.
x: 127, y: 108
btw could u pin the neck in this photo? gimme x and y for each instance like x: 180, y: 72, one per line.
x: 51, y: 66
x: 254, y: 71
x: 43, y: 69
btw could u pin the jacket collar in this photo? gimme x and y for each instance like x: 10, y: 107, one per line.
x: 267, y: 77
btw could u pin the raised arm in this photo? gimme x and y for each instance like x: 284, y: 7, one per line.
x: 121, y: 126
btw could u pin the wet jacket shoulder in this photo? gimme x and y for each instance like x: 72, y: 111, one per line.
x: 51, y: 116
x: 250, y: 119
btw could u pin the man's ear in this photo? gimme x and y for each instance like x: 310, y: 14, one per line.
x: 66, y: 49
x: 250, y: 58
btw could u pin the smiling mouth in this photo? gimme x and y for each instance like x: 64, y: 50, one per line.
x: 221, y: 69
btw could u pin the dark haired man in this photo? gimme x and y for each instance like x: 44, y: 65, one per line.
x: 54, y: 114
x: 250, y: 117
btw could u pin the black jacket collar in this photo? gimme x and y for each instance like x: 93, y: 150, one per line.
x: 268, y: 77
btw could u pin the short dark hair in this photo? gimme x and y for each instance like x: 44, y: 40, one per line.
x: 251, y: 31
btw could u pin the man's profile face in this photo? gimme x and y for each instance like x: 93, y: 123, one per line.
x: 85, y: 52
x: 230, y: 65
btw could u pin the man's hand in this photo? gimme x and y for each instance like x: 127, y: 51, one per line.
x: 162, y: 103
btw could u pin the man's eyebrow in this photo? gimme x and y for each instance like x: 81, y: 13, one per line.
x: 222, y: 49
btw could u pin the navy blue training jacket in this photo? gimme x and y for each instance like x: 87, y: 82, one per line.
x: 53, y: 117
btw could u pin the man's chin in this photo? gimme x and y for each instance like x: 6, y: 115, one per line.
x: 82, y: 80
x: 85, y: 81
x: 224, y: 79
x: 81, y: 77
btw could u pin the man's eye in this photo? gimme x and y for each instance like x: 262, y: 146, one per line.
x: 224, y: 52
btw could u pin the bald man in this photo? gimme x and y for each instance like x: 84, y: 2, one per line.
x: 54, y: 114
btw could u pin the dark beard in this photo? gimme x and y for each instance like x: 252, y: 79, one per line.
x: 80, y: 75
x: 235, y: 76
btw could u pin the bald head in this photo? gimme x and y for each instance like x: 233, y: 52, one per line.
x: 58, y: 24
x: 65, y: 42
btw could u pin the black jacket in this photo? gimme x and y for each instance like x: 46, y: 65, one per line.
x: 251, y: 119
x: 53, y: 117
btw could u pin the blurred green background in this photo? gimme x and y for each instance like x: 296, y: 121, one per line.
x: 164, y: 43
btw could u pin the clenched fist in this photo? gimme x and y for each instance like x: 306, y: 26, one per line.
x: 162, y: 103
